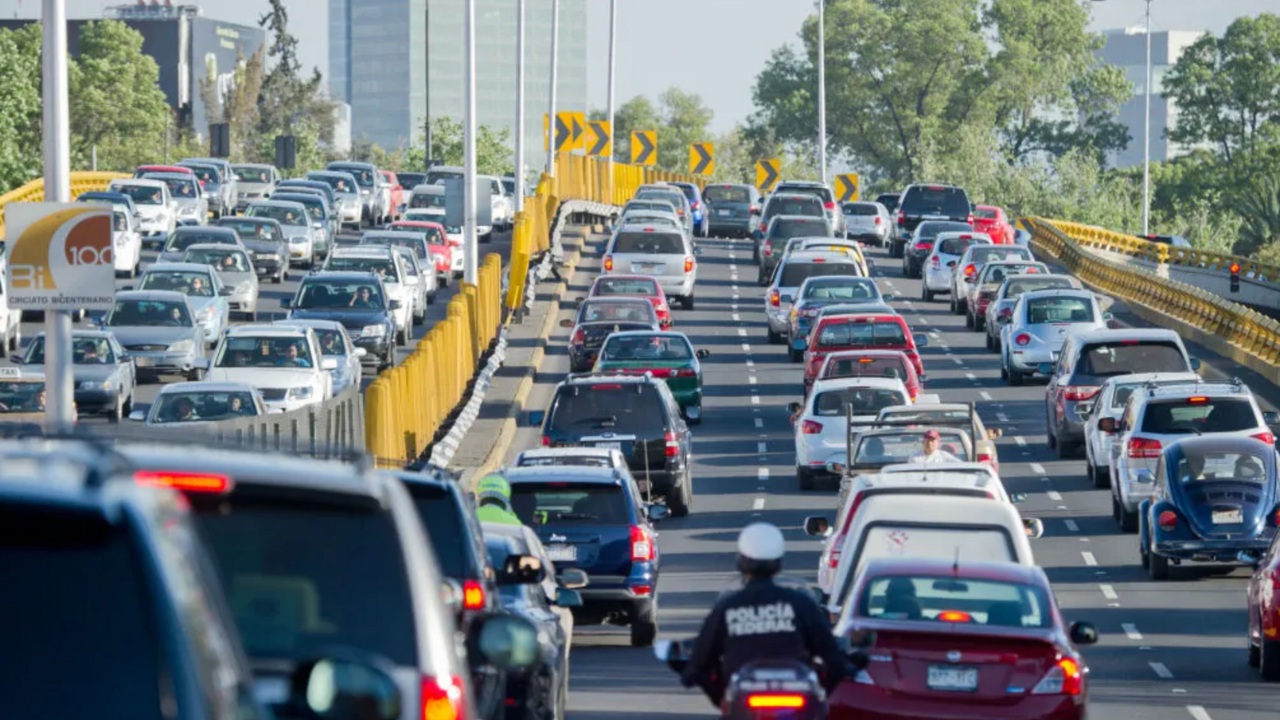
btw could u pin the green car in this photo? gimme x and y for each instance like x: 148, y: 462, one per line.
x: 667, y: 355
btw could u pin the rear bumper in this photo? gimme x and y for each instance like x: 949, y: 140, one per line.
x: 1216, y: 551
x: 93, y: 401
x: 857, y: 701
x: 729, y: 223
x: 581, y: 359
x: 1028, y: 361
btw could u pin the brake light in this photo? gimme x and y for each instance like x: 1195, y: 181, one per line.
x: 829, y: 205
x: 1022, y: 339
x: 1076, y: 393
x: 607, y: 387
x: 955, y: 616
x: 1144, y: 447
x: 775, y: 702
x: 641, y: 545
x: 688, y: 264
x: 877, y: 220
x: 902, y: 219
x: 969, y: 219
x: 923, y: 245
x: 1265, y: 437
x: 1168, y: 520
x: 969, y: 270
x: 546, y: 441
x: 810, y: 427
x: 685, y: 373
x: 1197, y: 400
x: 763, y: 227
x: 186, y: 481
x: 767, y: 248
x: 1064, y: 678
x: 443, y: 698
x: 835, y: 554
x: 984, y: 457
x: 753, y: 209
x: 673, y: 445
x: 775, y: 298
x: 695, y: 204
x: 472, y: 595
x: 608, y: 263
x: 936, y: 261
x: 579, y: 336
x: 1006, y: 312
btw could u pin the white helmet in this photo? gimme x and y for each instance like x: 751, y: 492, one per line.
x: 761, y: 541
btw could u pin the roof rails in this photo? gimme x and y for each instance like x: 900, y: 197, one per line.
x: 1237, y: 385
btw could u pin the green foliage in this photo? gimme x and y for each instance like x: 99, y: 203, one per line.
x: 494, y: 153
x: 240, y: 105
x: 288, y: 103
x: 1259, y: 204
x: 638, y: 113
x: 20, y: 106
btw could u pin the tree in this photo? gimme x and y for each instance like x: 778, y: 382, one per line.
x: 1259, y: 205
x: 638, y: 113
x: 20, y: 106
x: 239, y: 105
x: 287, y: 101
x: 494, y: 154
x: 684, y: 119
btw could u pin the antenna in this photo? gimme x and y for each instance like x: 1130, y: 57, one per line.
x: 955, y: 566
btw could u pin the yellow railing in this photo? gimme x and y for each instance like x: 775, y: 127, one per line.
x: 81, y: 182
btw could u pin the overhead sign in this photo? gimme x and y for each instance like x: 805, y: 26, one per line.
x: 644, y: 147
x: 599, y: 138
x: 578, y: 130
x: 564, y: 131
x: 702, y: 159
x: 848, y: 188
x: 767, y: 170
x: 59, y: 256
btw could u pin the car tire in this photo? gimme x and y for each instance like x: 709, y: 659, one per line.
x: 1254, y: 651
x: 195, y: 375
x: 795, y: 355
x: 1158, y: 569
x: 1015, y: 379
x: 644, y: 625
x: 774, y: 338
x: 1269, y: 660
x: 989, y: 347
x: 979, y: 322
x: 1125, y: 520
x: 117, y: 414
x: 926, y: 294
x: 804, y: 478
x: 1066, y: 448
x: 968, y: 321
x: 1101, y: 478
x: 680, y: 500
x: 687, y: 302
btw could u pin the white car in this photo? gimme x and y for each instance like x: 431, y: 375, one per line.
x: 821, y: 421
x: 126, y: 241
x: 867, y: 221
x: 941, y: 264
x: 183, y: 404
x: 500, y: 203
x: 156, y: 216
x: 284, y: 363
x: 185, y: 197
x: 1041, y: 321
x: 422, y: 283
x: 335, y: 344
x: 10, y: 318
x: 1110, y: 403
x: 390, y: 265
x: 573, y: 456
x: 659, y: 253
x: 304, y: 240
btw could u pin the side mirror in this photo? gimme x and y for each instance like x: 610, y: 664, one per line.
x: 567, y: 598
x: 395, y: 305
x: 794, y: 407
x: 566, y: 323
x: 836, y: 468
x: 286, y: 303
x: 342, y: 689
x: 506, y: 642
x: 1017, y: 497
x: 887, y: 297
x: 536, y: 417
x: 657, y: 512
x: 200, y: 363
x: 951, y: 264
x: 994, y: 433
x: 137, y: 416
x: 521, y: 570
x: 1144, y: 476
x: 451, y: 594
x: 1034, y: 527
x: 817, y: 526
x: 361, y: 352
x: 1195, y: 364
x: 922, y: 340
x: 703, y: 354
x: 15, y: 359
x: 1085, y: 410
x: 573, y: 579
x: 329, y: 364
x: 1108, y: 425
x: 1003, y: 319
x: 970, y: 279
x: 1108, y: 317
x: 1045, y: 368
x: 1082, y: 633
x: 1270, y: 417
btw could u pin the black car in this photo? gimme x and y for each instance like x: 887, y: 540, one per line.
x: 600, y: 317
x: 637, y: 415
x: 781, y: 229
x: 890, y: 202
x: 359, y: 301
x: 786, y: 204
x: 264, y: 239
x: 920, y: 203
x: 323, y: 187
x: 920, y: 244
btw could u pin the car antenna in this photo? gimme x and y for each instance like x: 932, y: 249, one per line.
x: 955, y: 566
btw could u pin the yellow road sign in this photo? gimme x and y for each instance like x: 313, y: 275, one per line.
x: 578, y: 128
x: 848, y: 187
x: 599, y: 138
x: 767, y: 170
x: 702, y: 159
x: 564, y: 131
x: 644, y: 147
x: 546, y: 133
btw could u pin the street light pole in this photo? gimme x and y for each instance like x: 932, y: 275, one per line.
x: 519, y: 164
x: 555, y: 70
x: 822, y: 92
x: 426, y: 86
x: 613, y: 66
x: 59, y: 387
x: 469, y: 268
x: 1146, y: 137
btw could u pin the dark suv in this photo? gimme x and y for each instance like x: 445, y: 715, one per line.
x: 637, y: 415
x: 920, y: 244
x: 781, y: 229
x: 929, y: 202
x: 329, y: 296
x: 264, y: 239
x: 787, y: 204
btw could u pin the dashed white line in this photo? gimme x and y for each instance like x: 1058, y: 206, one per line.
x: 762, y: 473
x: 762, y: 447
x: 737, y: 317
x: 1089, y: 559
x: 971, y: 376
x: 1037, y: 468
x: 759, y: 422
x: 957, y: 360
x: 1002, y: 417
x: 746, y: 347
x: 1161, y: 671
x: 1131, y: 631
x: 1108, y: 592
x: 758, y: 504
x: 1071, y: 525
x: 1055, y: 496
x: 985, y: 395
x: 755, y: 399
x: 751, y: 379
x: 1022, y: 442
x: 750, y: 363
x: 742, y: 332
x: 1198, y: 712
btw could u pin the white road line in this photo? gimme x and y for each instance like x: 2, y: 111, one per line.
x: 1037, y: 468
x: 1055, y: 496
x: 751, y: 363
x: 1108, y: 592
x: 1089, y: 559
x: 751, y: 379
x: 958, y: 360
x: 755, y: 399
x: 746, y: 347
x: 1198, y: 712
x: 1071, y: 525
x: 762, y: 447
x: 737, y: 317
x: 758, y: 504
x: 1161, y: 671
x: 762, y: 473
x: 1002, y: 417
x: 971, y: 376
x: 759, y: 423
x: 1022, y: 442
x: 742, y: 332
x: 985, y: 395
x: 1131, y: 631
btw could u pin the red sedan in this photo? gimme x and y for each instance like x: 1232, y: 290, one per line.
x: 635, y: 286
x: 871, y: 363
x: 870, y: 331
x: 961, y: 641
x: 1264, y: 616
x: 437, y: 242
x: 992, y: 220
x: 398, y: 199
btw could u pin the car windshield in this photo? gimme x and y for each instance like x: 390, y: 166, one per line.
x: 187, y: 282
x: 413, y: 245
x: 886, y: 333
x: 249, y: 230
x: 331, y: 342
x: 1199, y: 415
x: 795, y: 273
x: 844, y: 289
x: 726, y: 194
x: 642, y: 348
x: 863, y: 400
x: 1020, y: 286
x: 995, y: 274
x: 205, y: 174
x: 563, y: 461
x: 1120, y: 395
x: 203, y: 406
x: 921, y: 200
x: 119, y: 222
x: 1127, y: 357
x: 553, y: 503
x: 675, y: 197
x: 148, y: 313
x: 956, y: 245
x: 180, y: 188
x: 615, y: 407
x: 280, y: 213
x: 233, y: 261
x: 996, y: 253
x: 327, y: 294
x: 21, y: 397
x: 648, y: 243
x: 985, y: 213
x: 895, y: 448
x: 660, y: 206
x: 1059, y: 310
x: 797, y: 227
x: 930, y: 230
x: 269, y: 351
x: 141, y: 194
x: 927, y: 416
x: 386, y: 267
x: 312, y: 203
x: 438, y: 174
x: 793, y: 205
x: 875, y: 366
x: 183, y: 239
x: 84, y: 351
x: 956, y: 600
x: 253, y: 174
x: 427, y: 200
x: 435, y: 236
x: 1200, y: 467
x: 626, y: 286
x: 638, y: 218
x: 607, y: 310
x: 363, y: 176
x: 822, y: 192
x: 860, y: 209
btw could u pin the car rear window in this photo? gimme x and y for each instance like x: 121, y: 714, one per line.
x: 864, y: 401
x: 821, y: 192
x: 300, y: 579
x: 875, y: 366
x: 865, y: 334
x: 956, y: 600
x: 646, y: 348
x: 1120, y: 396
x: 1044, y: 283
x: 618, y: 310
x: 1131, y: 356
x: 1059, y: 310
x: 996, y: 253
x: 956, y: 245
x: 441, y: 516
x: 690, y: 193
x: 860, y: 209
x: 998, y: 273
x: 77, y: 612
x: 619, y: 408
x: 626, y: 286
x: 894, y: 448
x: 890, y: 201
x: 1198, y: 467
x: 935, y: 200
x: 564, y: 460
x: 1190, y: 416
x: 811, y: 206
x: 795, y: 273
x: 648, y: 243
x: 567, y: 502
x: 843, y: 289
x: 931, y: 230
x: 796, y: 227
x: 726, y: 194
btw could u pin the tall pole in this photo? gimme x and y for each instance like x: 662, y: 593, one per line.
x: 822, y: 92
x: 555, y: 72
x: 470, y: 268
x: 426, y: 86
x: 519, y: 165
x: 1146, y: 137
x: 613, y: 68
x: 59, y: 387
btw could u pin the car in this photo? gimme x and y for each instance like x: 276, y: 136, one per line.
x: 665, y: 256
x: 662, y: 354
x: 867, y: 221
x: 303, y: 240
x: 636, y: 414
x: 390, y: 266
x: 793, y: 271
x: 104, y: 376
x: 965, y: 416
x: 943, y: 263
x: 916, y: 248
x: 1088, y: 358
x: 642, y: 286
x: 821, y: 421
x: 156, y: 218
x: 922, y: 202
x: 1041, y: 321
x: 662, y: 191
x: 852, y: 248
x: 591, y: 456
x: 419, y: 266
x: 1213, y: 501
x: 235, y: 269
x: 663, y: 205
x: 443, y: 253
x: 782, y: 228
x: 10, y: 318
x: 319, y: 214
x: 225, y: 170
x: 264, y: 239
x: 336, y: 344
x: 591, y: 519
x: 175, y: 248
x: 501, y: 207
x: 872, y: 363
x: 256, y: 182
x: 731, y: 209
x: 284, y: 363
x: 126, y: 241
x: 399, y: 196
x: 819, y: 292
x: 159, y: 333
x: 142, y: 170
x: 876, y: 444
x: 1110, y: 402
x: 835, y: 218
x: 203, y: 287
x: 982, y: 286
x: 411, y: 180
x: 890, y: 202
x: 185, y: 198
x: 1156, y: 416
x: 656, y: 218
x: 1263, y: 608
x: 693, y: 194
x: 375, y: 199
x: 972, y: 262
x: 111, y: 198
x: 346, y: 539
x: 370, y: 322
x: 597, y: 319
x: 429, y: 199
x: 305, y: 185
x: 1001, y: 304
x: 993, y: 221
x: 861, y: 331
x: 987, y: 639
x: 426, y: 242
x: 351, y: 203
x: 216, y: 193
x: 777, y: 203
x: 22, y: 403
x: 184, y: 404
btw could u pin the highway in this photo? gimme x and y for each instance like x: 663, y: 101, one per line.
x: 1167, y: 650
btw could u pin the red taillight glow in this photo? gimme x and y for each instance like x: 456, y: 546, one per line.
x: 984, y: 457
x: 443, y: 699
x: 641, y: 545
x: 1168, y: 520
x: 902, y: 219
x: 829, y: 205
x: 775, y: 702
x: 809, y: 427
x: 546, y: 441
x: 1144, y: 448
x: 1265, y: 437
x: 1022, y: 340
x: 835, y: 554
x: 685, y: 373
x: 767, y: 248
x: 763, y: 227
x: 1006, y: 312
x: 186, y: 481
x: 673, y: 445
x: 1197, y: 400
x: 969, y: 219
x: 969, y: 270
x: 579, y: 336
x: 608, y: 263
x: 472, y: 595
x: 924, y: 245
x: 688, y: 264
x: 936, y: 261
x: 955, y: 616
x: 1064, y: 678
x: 775, y: 298
x: 1076, y: 393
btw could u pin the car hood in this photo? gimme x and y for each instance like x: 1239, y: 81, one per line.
x: 270, y: 377
x: 185, y: 201
x: 266, y: 247
x: 199, y: 303
x: 92, y: 372
x: 146, y: 335
x: 248, y: 187
x: 233, y: 279
x: 353, y: 318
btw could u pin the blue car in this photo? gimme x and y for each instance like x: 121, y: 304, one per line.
x: 701, y: 221
x: 594, y: 519
x: 1214, y: 500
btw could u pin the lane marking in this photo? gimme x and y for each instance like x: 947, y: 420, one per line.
x: 957, y: 360
x: 751, y: 363
x: 1089, y: 559
x: 758, y: 504
x: 1131, y: 631
x: 1037, y: 468
x: 751, y: 379
x: 762, y: 447
x: 755, y: 399
x: 1071, y: 525
x: 1198, y: 712
x: 1055, y: 496
x: 742, y: 332
x: 971, y: 376
x: 762, y: 473
x: 746, y: 347
x: 737, y: 317
x: 985, y: 395
x: 1108, y: 592
x: 759, y: 422
x: 1022, y: 442
x: 1161, y: 671
x: 1002, y: 417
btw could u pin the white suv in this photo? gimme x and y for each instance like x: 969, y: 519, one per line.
x: 1110, y: 402
x: 822, y: 421
x: 940, y: 266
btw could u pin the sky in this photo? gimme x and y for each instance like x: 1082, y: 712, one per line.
x: 712, y: 47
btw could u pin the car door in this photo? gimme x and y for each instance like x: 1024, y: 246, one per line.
x: 126, y: 374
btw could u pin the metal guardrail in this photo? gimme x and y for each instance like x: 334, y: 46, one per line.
x: 325, y: 430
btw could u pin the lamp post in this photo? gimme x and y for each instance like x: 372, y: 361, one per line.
x: 555, y: 70
x: 519, y: 164
x: 57, y: 188
x: 822, y: 92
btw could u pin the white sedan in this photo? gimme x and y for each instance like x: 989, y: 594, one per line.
x: 821, y: 421
x: 285, y: 364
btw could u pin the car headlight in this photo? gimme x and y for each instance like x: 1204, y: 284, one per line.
x: 300, y: 393
x: 374, y: 331
x: 244, y: 288
x: 299, y: 239
x: 208, y: 313
x: 95, y: 385
x: 267, y: 256
x: 182, y: 346
x: 188, y: 210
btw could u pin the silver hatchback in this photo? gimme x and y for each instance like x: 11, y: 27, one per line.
x: 1040, y: 324
x: 663, y: 254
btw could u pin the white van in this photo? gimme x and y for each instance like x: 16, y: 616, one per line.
x: 945, y: 527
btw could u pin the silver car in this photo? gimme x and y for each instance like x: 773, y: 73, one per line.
x: 257, y: 182
x: 981, y: 287
x: 971, y: 264
x: 156, y: 219
x: 662, y: 254
x: 824, y: 195
x: 346, y: 191
x: 375, y: 191
x: 336, y: 345
x: 183, y: 404
x: 1006, y: 296
x: 657, y: 218
x: 943, y: 262
x: 1110, y: 403
x: 159, y: 333
x: 217, y: 194
x: 203, y: 288
x: 188, y: 203
x: 184, y: 237
x: 790, y: 275
x: 867, y: 221
x: 104, y: 375
x: 673, y: 195
x: 229, y: 179
x: 236, y: 272
x: 295, y: 223
x: 1040, y: 324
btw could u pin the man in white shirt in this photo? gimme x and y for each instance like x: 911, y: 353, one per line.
x: 933, y: 452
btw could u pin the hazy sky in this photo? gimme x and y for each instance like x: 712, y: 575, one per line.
x: 713, y: 47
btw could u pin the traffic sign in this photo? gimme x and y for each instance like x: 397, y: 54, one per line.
x: 848, y: 188
x: 564, y: 131
x: 59, y: 256
x: 546, y: 133
x: 644, y: 147
x: 579, y: 128
x: 767, y: 170
x: 599, y: 138
x: 702, y: 159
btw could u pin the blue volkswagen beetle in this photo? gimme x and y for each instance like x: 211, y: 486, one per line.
x: 1214, y: 499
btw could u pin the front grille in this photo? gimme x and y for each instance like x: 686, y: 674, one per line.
x: 147, y: 348
x: 273, y: 393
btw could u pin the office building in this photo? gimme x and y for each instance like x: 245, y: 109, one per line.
x: 381, y: 66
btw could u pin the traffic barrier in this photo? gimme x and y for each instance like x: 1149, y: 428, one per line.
x: 81, y: 182
x: 333, y: 429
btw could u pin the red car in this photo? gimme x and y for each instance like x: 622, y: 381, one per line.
x: 872, y: 363
x: 437, y: 242
x: 1264, y: 615
x: 398, y: 200
x: 962, y: 640
x: 871, y: 331
x: 144, y: 169
x: 991, y: 220
x: 635, y: 286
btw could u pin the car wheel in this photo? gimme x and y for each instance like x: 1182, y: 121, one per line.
x: 1269, y: 660
x: 961, y: 305
x: 118, y: 413
x: 1066, y: 449
x: 804, y: 478
x: 195, y: 375
x: 989, y: 342
x: 402, y: 337
x: 774, y: 338
x: 1101, y: 478
x: 419, y: 318
x: 644, y: 625
x: 979, y: 322
x: 1159, y: 570
x: 795, y: 355
x: 1125, y: 520
x: 968, y: 321
x: 1015, y: 379
x: 686, y: 302
x: 925, y: 293
x: 951, y: 304
x: 1004, y: 373
x: 678, y: 501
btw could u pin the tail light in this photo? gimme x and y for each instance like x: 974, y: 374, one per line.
x: 472, y: 595
x: 776, y: 702
x: 1022, y: 340
x: 681, y: 211
x: 1076, y: 393
x: 641, y: 545
x: 764, y: 227
x: 443, y: 698
x: 685, y: 373
x: 1006, y: 312
x: 835, y: 554
x: 810, y: 427
x: 1168, y: 520
x: 753, y: 209
x: 1265, y: 437
x: 969, y: 219
x: 902, y: 219
x: 775, y: 298
x: 673, y: 445
x: 829, y: 205
x: 1064, y: 678
x: 877, y: 219
x: 1144, y: 448
x: 579, y: 337
x: 984, y: 457
x: 546, y: 441
x: 695, y: 204
x: 185, y: 481
x: 936, y: 262
x: 925, y: 246
x: 608, y: 263
x: 767, y: 248
x: 969, y: 270
x: 955, y: 616
x: 688, y: 264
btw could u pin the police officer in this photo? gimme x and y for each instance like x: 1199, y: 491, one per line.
x: 493, y: 495
x: 762, y: 621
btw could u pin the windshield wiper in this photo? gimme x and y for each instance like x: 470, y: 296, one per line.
x: 577, y: 516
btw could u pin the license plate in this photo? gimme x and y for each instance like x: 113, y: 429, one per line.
x: 562, y: 553
x: 724, y: 212
x: 144, y: 362
x: 962, y: 679
x: 609, y: 445
x: 1228, y: 517
x: 262, y: 271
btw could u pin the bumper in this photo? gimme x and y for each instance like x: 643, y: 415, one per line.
x: 688, y: 398
x: 1131, y: 492
x: 211, y: 331
x: 679, y: 285
x: 244, y: 303
x: 351, y: 213
x: 937, y: 281
x: 1215, y: 551
x: 657, y: 478
x: 375, y: 347
x: 1028, y: 361
x: 582, y: 359
x: 288, y: 404
x: 270, y: 268
x: 742, y: 224
x: 300, y: 251
x: 779, y: 322
x: 856, y: 701
x: 163, y: 363
x: 93, y: 401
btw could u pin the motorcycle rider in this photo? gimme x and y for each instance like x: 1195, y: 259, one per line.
x: 762, y: 621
